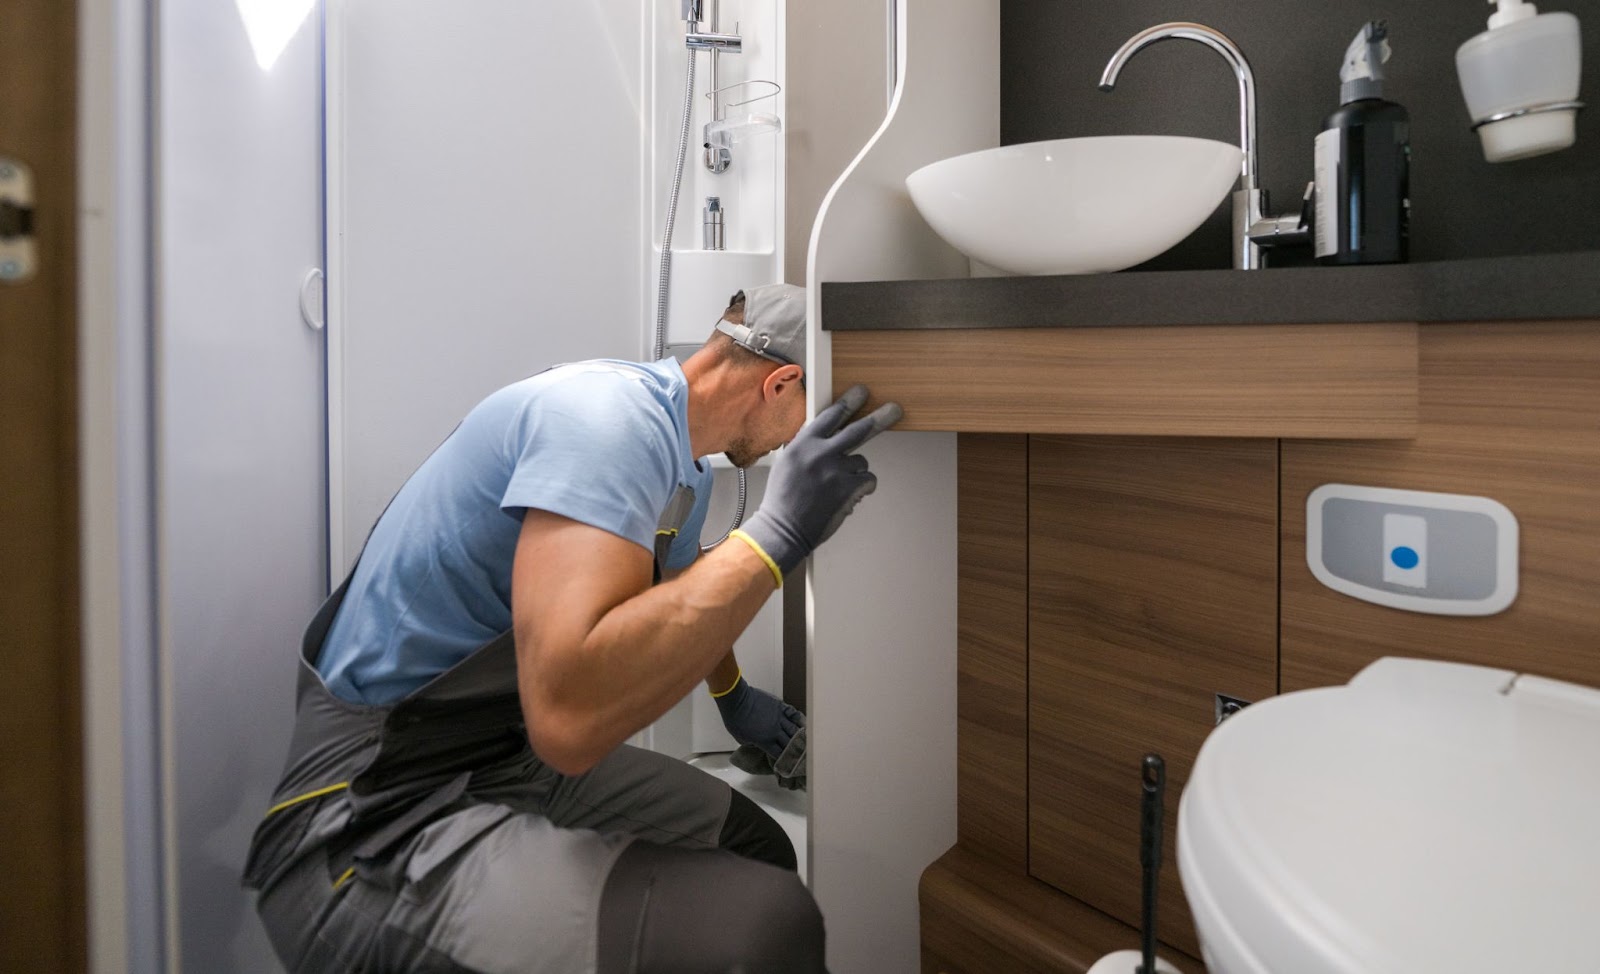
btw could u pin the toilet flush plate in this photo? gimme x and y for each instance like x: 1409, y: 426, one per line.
x: 1421, y: 551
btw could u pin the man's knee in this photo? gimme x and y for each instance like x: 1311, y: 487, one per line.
x: 787, y: 934
x: 750, y: 832
x: 671, y: 910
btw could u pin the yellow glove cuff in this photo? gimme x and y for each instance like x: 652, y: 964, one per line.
x: 738, y: 675
x: 777, y: 576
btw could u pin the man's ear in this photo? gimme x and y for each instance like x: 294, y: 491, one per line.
x: 782, y: 380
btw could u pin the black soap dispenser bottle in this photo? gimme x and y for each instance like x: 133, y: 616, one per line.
x: 1363, y: 161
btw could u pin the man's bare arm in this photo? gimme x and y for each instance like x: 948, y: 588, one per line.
x: 726, y: 672
x: 601, y: 653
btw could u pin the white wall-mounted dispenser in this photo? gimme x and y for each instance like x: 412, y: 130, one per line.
x: 1421, y: 551
x: 1520, y: 80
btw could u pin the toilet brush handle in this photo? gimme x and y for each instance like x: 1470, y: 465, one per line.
x: 1154, y: 787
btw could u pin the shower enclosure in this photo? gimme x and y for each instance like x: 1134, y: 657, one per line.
x: 487, y: 198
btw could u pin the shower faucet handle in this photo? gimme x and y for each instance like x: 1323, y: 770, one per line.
x: 710, y: 41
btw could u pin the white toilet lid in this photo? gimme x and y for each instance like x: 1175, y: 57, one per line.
x: 1425, y: 817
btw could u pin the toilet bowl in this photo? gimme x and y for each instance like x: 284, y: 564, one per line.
x: 1424, y: 817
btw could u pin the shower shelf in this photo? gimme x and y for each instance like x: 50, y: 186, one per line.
x: 737, y: 126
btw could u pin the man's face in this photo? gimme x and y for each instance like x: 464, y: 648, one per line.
x: 774, y: 423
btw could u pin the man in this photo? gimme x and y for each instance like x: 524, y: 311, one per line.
x: 458, y: 796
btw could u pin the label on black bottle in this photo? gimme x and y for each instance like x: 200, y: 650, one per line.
x: 1326, y: 173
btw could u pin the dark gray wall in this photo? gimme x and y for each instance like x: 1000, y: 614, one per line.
x: 1052, y: 53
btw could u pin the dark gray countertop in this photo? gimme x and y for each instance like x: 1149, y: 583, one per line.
x: 1533, y: 287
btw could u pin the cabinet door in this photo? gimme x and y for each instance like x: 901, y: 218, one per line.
x: 992, y: 641
x: 1153, y: 573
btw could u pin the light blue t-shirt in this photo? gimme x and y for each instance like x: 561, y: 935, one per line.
x: 602, y: 442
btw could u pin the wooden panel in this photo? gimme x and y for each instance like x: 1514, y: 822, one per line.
x: 41, y: 795
x: 1152, y: 585
x: 980, y: 918
x: 934, y: 964
x: 1508, y: 411
x: 992, y: 639
x: 1312, y: 381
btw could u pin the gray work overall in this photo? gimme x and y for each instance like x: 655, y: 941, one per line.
x: 427, y: 835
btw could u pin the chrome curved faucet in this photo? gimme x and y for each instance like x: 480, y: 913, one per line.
x: 1253, y: 230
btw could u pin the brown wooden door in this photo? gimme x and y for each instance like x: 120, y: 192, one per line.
x: 42, y: 926
x: 1152, y: 585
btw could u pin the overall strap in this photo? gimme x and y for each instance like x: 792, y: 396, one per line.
x: 672, y: 520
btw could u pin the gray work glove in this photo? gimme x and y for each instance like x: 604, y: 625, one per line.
x: 789, y: 768
x: 757, y: 717
x: 817, y: 481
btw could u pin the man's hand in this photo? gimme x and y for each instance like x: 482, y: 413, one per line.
x: 817, y: 481
x: 757, y: 717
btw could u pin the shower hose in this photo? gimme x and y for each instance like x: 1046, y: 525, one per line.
x: 663, y: 287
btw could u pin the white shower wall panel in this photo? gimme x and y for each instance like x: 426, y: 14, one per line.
x: 749, y: 191
x: 238, y: 390
x: 702, y: 283
x: 751, y: 187
x: 485, y: 218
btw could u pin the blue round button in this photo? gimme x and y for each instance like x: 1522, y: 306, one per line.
x: 1405, y: 557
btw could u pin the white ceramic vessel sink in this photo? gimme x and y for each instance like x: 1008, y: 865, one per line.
x: 1075, y: 206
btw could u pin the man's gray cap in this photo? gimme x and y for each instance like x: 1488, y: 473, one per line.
x: 774, y: 323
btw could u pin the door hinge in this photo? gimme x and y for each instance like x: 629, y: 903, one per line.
x: 18, y: 255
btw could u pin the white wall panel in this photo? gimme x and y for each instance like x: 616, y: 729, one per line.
x: 239, y: 434
x: 484, y: 218
x: 882, y: 595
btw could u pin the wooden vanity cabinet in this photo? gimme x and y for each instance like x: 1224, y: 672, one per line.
x: 1109, y: 586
